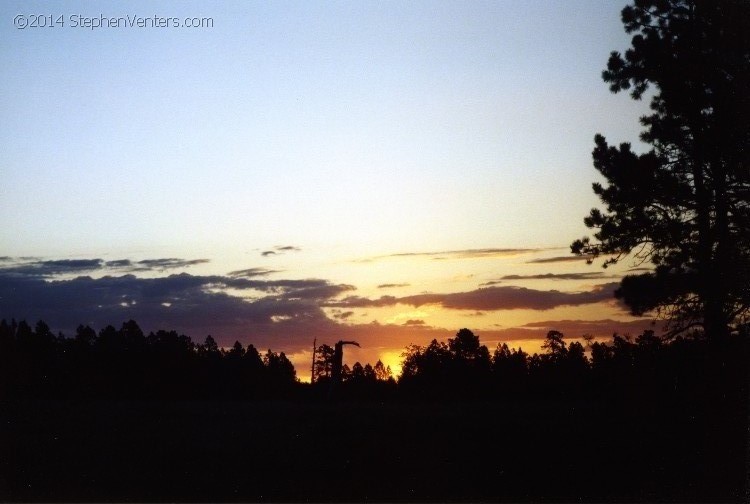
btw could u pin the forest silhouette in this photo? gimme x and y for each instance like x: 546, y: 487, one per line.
x: 121, y: 415
x: 128, y: 364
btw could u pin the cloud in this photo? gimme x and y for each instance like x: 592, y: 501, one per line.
x: 362, y: 302
x: 595, y: 327
x: 459, y: 254
x: 569, y: 258
x: 170, y: 263
x: 280, y: 250
x: 591, y: 275
x: 393, y: 285
x: 253, y: 272
x: 414, y: 322
x: 120, y: 263
x: 286, y: 316
x: 38, y: 268
x: 35, y: 267
x: 191, y: 304
x: 490, y: 298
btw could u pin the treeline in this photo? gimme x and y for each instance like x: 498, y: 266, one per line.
x: 126, y: 363
x: 646, y: 367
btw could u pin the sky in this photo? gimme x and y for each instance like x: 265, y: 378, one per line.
x: 382, y: 171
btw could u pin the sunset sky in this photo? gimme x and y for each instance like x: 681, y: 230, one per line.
x: 388, y: 172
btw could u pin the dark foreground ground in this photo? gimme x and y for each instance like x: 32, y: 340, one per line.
x: 306, y: 451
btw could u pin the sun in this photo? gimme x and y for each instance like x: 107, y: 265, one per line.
x: 392, y: 359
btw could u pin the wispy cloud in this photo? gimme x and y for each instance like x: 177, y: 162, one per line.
x: 591, y: 275
x: 393, y: 285
x: 35, y: 267
x: 559, y: 259
x: 39, y: 268
x: 169, y: 263
x: 253, y: 272
x: 119, y: 263
x: 490, y: 299
x: 458, y: 254
x: 594, y: 326
x: 280, y: 249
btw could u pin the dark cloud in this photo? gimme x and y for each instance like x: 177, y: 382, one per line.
x: 34, y: 267
x: 316, y: 290
x: 342, y: 315
x: 286, y: 316
x: 253, y: 272
x: 392, y: 285
x: 558, y: 259
x: 280, y: 250
x: 490, y: 298
x: 414, y: 322
x: 170, y: 263
x: 605, y: 327
x: 120, y: 263
x: 184, y: 302
x: 591, y: 275
x: 39, y: 268
x: 309, y: 289
x: 362, y: 302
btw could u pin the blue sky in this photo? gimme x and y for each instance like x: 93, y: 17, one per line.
x: 346, y: 129
x: 307, y: 121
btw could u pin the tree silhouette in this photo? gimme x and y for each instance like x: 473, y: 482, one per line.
x: 555, y: 345
x: 279, y: 368
x: 85, y: 335
x: 382, y: 373
x: 358, y: 372
x: 253, y: 360
x: 510, y: 369
x: 236, y: 352
x: 323, y: 363
x: 460, y: 368
x: 425, y: 364
x: 209, y: 347
x: 683, y: 205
